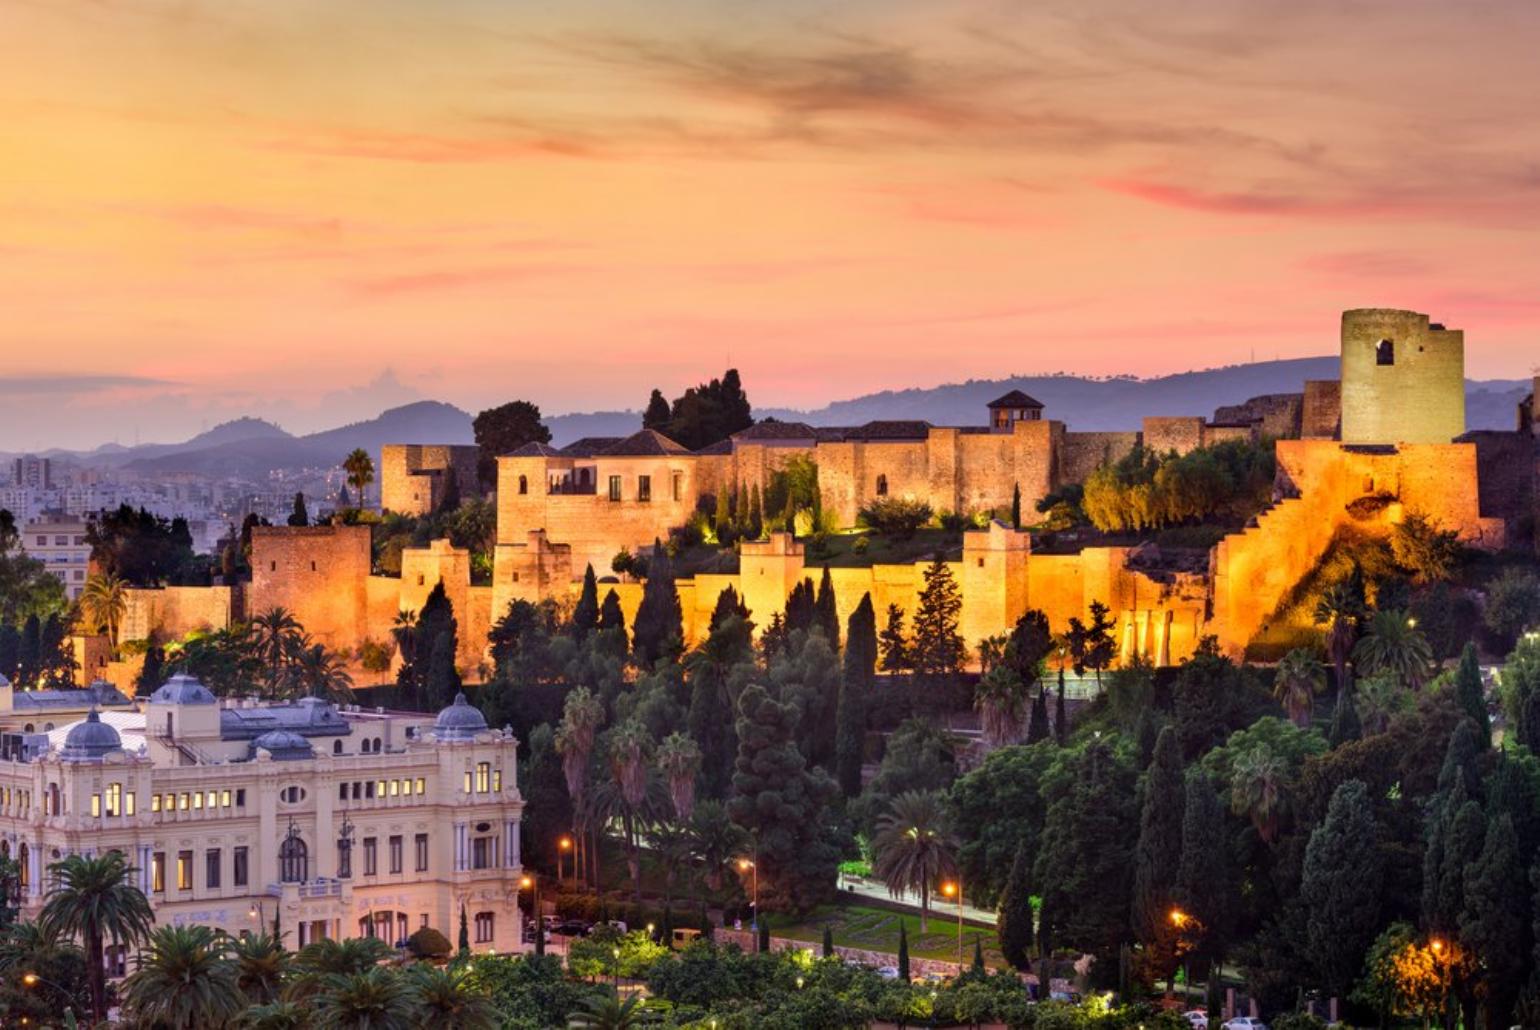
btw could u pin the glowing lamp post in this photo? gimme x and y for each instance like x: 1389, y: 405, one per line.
x: 744, y: 866
x: 954, y: 890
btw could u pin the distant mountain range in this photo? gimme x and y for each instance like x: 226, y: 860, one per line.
x: 250, y: 447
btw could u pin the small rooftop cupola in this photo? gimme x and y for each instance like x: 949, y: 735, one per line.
x: 283, y: 746
x: 460, y: 721
x: 90, y: 740
x: 1014, y: 407
x: 182, y: 689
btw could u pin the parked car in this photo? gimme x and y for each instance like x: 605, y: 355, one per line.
x: 888, y: 972
x: 1197, y: 1019
x: 571, y: 928
x: 1244, y: 1023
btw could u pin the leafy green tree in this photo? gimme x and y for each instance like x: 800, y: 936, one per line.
x: 1038, y: 723
x: 1340, y: 887
x: 997, y: 811
x: 1472, y: 695
x: 1341, y: 610
x: 449, y: 999
x: 704, y: 414
x: 1085, y: 863
x: 756, y: 523
x: 938, y: 650
x: 585, y: 615
x: 860, y: 661
x: 659, y: 628
x: 782, y: 804
x: 893, y: 644
x: 657, y: 414
x: 465, y: 934
x: 503, y: 430
x: 185, y: 980
x: 1513, y: 605
x: 896, y: 518
x: 1158, y: 856
x: 914, y: 847
x: 95, y: 900
x: 360, y: 469
x: 1426, y: 551
x: 1015, y: 916
x: 1345, y: 724
x: 1491, y: 926
x: 62, y: 984
x: 1092, y: 646
x: 376, y: 999
x: 1402, y: 978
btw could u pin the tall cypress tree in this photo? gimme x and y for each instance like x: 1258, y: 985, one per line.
x: 1038, y: 727
x: 1456, y: 831
x: 1462, y: 760
x: 801, y: 607
x: 585, y: 616
x: 860, y: 664
x: 610, y: 615
x: 756, y: 527
x: 443, y: 680
x: 727, y: 604
x: 1340, y: 887
x: 1491, y: 925
x: 1061, y: 714
x: 1472, y: 697
x: 826, y: 610
x: 1015, y: 915
x: 298, y: 516
x: 722, y: 517
x: 659, y: 628
x: 903, y: 951
x: 1204, y: 874
x: 1345, y: 724
x: 828, y: 942
x: 1158, y: 855
x: 465, y: 933
x: 658, y: 413
x: 1016, y: 506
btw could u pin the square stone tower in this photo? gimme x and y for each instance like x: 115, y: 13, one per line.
x: 1403, y: 378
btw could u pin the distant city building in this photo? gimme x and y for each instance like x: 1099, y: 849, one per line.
x: 330, y: 821
x: 30, y: 470
x: 59, y: 542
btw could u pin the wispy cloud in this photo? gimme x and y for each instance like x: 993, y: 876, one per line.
x: 74, y: 385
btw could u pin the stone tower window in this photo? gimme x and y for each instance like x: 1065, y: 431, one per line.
x: 1385, y: 352
x: 523, y: 485
x: 882, y: 486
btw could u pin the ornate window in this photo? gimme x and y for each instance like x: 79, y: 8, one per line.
x: 293, y: 858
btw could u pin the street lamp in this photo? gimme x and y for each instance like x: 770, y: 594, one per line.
x: 564, y: 845
x: 1438, y: 947
x: 533, y: 883
x: 615, y: 951
x: 951, y: 890
x: 745, y: 865
x: 31, y: 979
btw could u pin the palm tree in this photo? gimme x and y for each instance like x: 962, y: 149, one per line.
x: 1340, y: 610
x: 184, y: 980
x: 95, y: 899
x: 581, y: 717
x: 376, y: 999
x: 276, y: 635
x: 278, y: 1015
x: 327, y: 958
x: 30, y: 948
x: 715, y: 840
x: 1394, y: 645
x: 316, y: 672
x: 1001, y: 700
x: 679, y: 760
x: 103, y: 602
x: 261, y: 966
x: 446, y: 999
x: 913, y: 847
x: 674, y: 847
x: 626, y: 796
x: 1256, y: 790
x: 360, y: 469
x: 1379, y: 699
x: 610, y: 1013
x: 1298, y: 679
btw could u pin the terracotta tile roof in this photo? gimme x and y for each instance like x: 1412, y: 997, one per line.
x: 772, y: 429
x: 643, y: 444
x: 891, y: 429
x: 535, y: 449
x: 588, y: 446
x: 1015, y: 399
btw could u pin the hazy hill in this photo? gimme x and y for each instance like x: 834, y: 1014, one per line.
x: 250, y: 447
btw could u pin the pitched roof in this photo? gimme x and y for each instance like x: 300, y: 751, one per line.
x: 535, y: 449
x: 1015, y: 399
x: 773, y: 429
x: 891, y: 429
x: 588, y: 446
x: 646, y: 443
x: 724, y: 446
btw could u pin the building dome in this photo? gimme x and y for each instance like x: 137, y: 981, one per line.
x: 90, y: 739
x: 182, y: 689
x: 460, y: 721
x: 282, y: 745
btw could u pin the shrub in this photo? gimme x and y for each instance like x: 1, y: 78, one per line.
x: 895, y: 517
x: 374, y: 656
x: 429, y: 943
x: 1513, y: 605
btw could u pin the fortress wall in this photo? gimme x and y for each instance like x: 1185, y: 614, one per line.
x: 1419, y: 398
x: 423, y: 568
x: 320, y: 573
x: 168, y: 613
x: 1223, y: 434
x: 944, y: 470
x: 1321, y: 417
x: 1280, y: 414
x: 1179, y: 433
x: 413, y: 477
x: 1084, y: 453
x: 531, y: 570
x: 384, y: 604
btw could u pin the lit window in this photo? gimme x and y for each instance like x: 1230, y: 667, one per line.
x: 395, y: 788
x: 467, y: 781
x: 184, y: 860
x: 497, y: 781
x: 197, y: 801
x: 154, y: 802
x: 483, y: 776
x: 96, y: 806
x: 158, y: 871
x: 112, y: 800
x: 485, y: 922
x: 170, y: 803
x: 380, y: 790
x: 128, y: 803
x: 224, y: 799
x: 422, y: 785
x: 184, y: 803
x: 213, y: 797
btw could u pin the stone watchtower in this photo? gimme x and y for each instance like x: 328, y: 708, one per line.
x: 1403, y: 378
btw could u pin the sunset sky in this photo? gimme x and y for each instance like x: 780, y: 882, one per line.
x: 311, y: 210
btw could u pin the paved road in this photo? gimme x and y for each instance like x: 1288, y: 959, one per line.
x: 940, y: 907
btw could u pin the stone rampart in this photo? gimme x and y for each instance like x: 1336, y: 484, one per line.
x: 169, y: 613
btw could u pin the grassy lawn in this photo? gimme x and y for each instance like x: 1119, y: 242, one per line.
x: 876, y: 929
x: 839, y: 550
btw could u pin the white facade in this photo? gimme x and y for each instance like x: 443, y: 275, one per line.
x: 59, y: 542
x: 338, y: 822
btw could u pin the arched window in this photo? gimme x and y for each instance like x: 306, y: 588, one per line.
x: 1385, y: 352
x: 24, y: 869
x: 336, y: 747
x: 523, y: 484
x: 882, y: 486
x: 293, y: 860
x: 376, y: 745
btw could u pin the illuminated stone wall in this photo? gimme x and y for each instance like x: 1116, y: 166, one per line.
x: 413, y: 477
x: 320, y: 573
x: 169, y: 613
x: 1417, y: 395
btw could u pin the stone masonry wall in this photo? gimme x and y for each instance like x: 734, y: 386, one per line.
x: 168, y: 613
x: 1321, y: 418
x: 413, y: 477
x: 1419, y: 397
x: 320, y: 573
